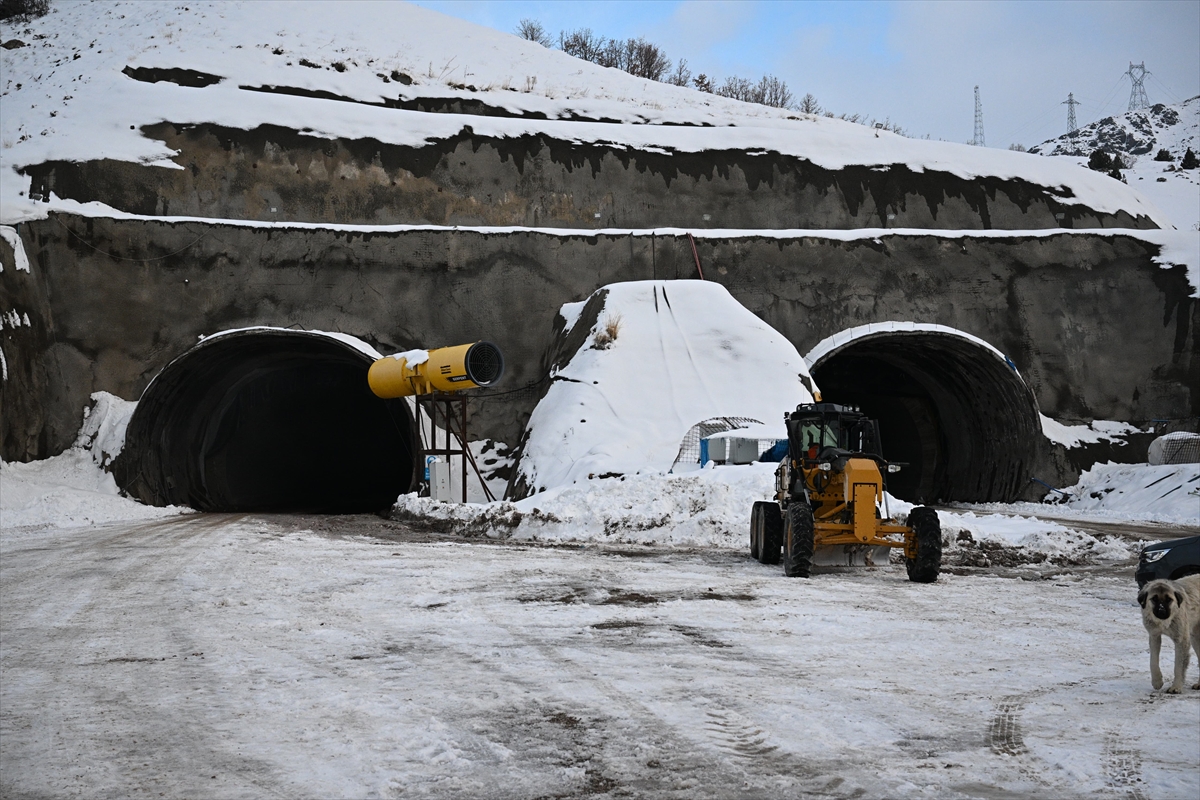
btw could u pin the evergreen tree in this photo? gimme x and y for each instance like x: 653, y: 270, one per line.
x: 1189, y: 160
x: 1100, y: 161
x: 1163, y: 155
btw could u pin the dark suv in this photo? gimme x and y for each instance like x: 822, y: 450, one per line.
x: 1171, y: 559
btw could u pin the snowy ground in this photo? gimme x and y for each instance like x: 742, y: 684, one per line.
x: 227, y: 656
x: 613, y: 638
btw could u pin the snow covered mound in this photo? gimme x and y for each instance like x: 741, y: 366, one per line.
x: 1155, y: 493
x: 74, y: 489
x: 88, y: 77
x: 1138, y: 136
x: 660, y: 357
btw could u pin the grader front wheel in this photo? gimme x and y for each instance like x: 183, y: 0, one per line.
x: 927, y: 531
x: 798, y: 535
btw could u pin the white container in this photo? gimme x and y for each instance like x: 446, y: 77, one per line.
x: 742, y: 451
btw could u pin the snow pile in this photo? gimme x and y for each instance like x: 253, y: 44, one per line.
x: 1099, y: 430
x: 991, y: 539
x: 1154, y: 493
x: 1138, y: 136
x: 661, y: 357
x: 705, y: 508
x: 1167, y: 494
x: 70, y: 94
x: 711, y: 508
x: 74, y: 489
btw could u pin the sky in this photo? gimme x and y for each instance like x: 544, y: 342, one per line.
x: 913, y: 63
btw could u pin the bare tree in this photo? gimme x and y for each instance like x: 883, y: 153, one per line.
x: 773, y: 92
x: 612, y: 54
x: 682, y: 76
x: 736, y: 88
x: 581, y: 43
x: 645, y: 60
x: 532, y: 30
x: 809, y: 105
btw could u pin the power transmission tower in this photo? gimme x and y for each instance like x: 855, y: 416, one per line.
x: 978, y: 140
x: 1137, y: 93
x: 1070, y: 103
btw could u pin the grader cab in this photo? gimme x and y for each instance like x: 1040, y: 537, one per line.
x: 830, y: 492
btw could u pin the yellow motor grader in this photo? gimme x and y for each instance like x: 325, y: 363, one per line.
x: 829, y: 491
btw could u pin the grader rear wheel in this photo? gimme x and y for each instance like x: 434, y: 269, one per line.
x: 928, y: 532
x: 772, y: 536
x: 756, y: 522
x: 766, y: 534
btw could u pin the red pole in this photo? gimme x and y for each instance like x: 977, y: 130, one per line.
x: 696, y: 256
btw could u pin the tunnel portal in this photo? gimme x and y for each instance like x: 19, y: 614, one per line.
x: 951, y: 408
x: 268, y: 420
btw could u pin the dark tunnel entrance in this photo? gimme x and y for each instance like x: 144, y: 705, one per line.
x: 950, y: 407
x: 268, y: 420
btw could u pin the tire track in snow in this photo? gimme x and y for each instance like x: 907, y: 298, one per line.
x: 633, y: 716
x: 1004, y: 732
x: 1122, y: 768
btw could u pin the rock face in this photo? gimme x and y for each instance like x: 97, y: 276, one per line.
x: 276, y: 174
x: 1096, y: 328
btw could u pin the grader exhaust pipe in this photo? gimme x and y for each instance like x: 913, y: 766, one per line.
x: 445, y: 370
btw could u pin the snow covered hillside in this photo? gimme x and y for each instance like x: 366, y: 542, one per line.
x: 1138, y: 136
x: 82, y: 82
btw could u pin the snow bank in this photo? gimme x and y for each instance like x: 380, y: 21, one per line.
x: 1099, y: 430
x: 1167, y: 494
x: 74, y: 489
x: 661, y: 357
x: 1155, y: 493
x: 706, y: 508
x: 711, y: 508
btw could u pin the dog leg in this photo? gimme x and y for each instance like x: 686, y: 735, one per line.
x: 1155, y: 673
x: 1183, y: 653
x: 1196, y: 647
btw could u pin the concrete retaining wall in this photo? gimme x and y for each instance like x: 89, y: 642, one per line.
x: 1096, y: 327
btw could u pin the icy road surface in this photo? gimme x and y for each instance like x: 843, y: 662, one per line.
x: 226, y: 656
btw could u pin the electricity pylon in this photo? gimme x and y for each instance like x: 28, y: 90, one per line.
x: 1137, y: 93
x: 978, y: 140
x: 1070, y: 103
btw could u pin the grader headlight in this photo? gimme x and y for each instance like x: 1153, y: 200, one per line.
x: 445, y: 370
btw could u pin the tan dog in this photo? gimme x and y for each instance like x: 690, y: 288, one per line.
x: 1172, y: 608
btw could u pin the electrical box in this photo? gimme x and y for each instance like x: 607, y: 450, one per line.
x: 439, y: 481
